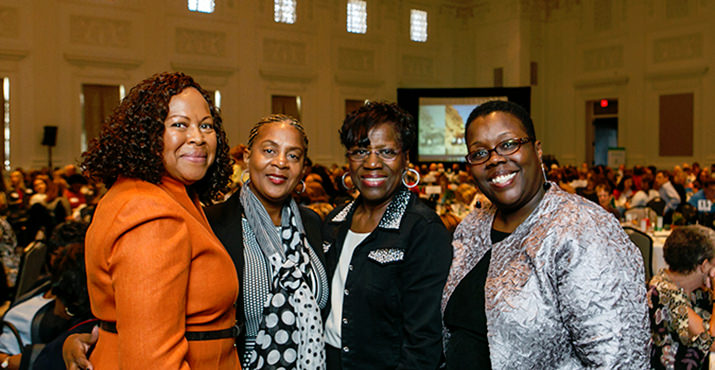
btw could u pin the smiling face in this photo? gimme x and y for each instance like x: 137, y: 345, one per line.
x: 275, y: 162
x: 40, y: 186
x: 15, y: 178
x: 377, y: 178
x: 513, y: 181
x: 189, y: 137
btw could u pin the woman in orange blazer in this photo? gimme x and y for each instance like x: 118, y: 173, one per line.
x: 159, y: 280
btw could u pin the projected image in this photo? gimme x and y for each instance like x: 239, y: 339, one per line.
x: 441, y: 127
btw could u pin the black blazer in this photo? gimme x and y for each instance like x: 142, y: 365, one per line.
x: 225, y: 220
x: 391, y: 302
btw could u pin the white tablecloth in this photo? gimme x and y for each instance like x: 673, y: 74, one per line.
x: 657, y: 260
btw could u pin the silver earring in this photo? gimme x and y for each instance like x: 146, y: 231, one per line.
x: 302, y: 189
x: 342, y: 181
x: 543, y: 172
x: 243, y: 174
x: 410, y: 170
x: 68, y: 313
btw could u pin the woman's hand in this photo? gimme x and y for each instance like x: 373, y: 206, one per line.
x: 75, y: 348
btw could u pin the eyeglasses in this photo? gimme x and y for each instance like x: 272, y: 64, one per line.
x: 506, y: 147
x: 360, y: 154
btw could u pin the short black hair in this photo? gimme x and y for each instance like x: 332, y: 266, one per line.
x: 687, y: 247
x: 358, y: 123
x: 512, y: 108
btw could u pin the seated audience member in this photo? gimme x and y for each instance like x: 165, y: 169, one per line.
x: 680, y: 301
x: 71, y: 303
x: 47, y: 194
x: 17, y: 199
x: 703, y: 200
x: 74, y: 193
x: 9, y: 253
x: 18, y: 193
x: 704, y: 203
x: 67, y: 284
x: 703, y: 176
x: 316, y: 198
x: 645, y: 194
x: 48, y: 207
x: 3, y: 193
x: 321, y: 174
x: 237, y: 153
x: 679, y: 184
x: 605, y: 199
x: 581, y: 181
x: 667, y: 194
x: 624, y: 192
x: 556, y: 175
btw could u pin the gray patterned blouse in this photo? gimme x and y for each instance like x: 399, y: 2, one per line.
x: 565, y: 290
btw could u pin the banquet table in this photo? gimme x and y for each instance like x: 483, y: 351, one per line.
x: 657, y: 261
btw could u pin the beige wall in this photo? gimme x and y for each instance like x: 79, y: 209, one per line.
x: 631, y: 50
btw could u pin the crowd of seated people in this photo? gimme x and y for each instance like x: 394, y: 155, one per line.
x: 34, y: 326
x: 453, y: 194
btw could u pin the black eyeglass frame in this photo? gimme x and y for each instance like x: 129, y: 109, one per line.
x: 379, y: 152
x: 519, y: 141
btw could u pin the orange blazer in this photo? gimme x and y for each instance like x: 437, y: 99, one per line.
x: 156, y: 269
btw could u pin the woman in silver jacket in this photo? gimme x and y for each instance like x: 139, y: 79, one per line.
x: 540, y: 278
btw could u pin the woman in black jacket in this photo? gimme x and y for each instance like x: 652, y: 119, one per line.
x: 388, y: 254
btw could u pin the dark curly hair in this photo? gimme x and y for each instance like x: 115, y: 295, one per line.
x: 131, y: 141
x: 512, y: 108
x: 358, y: 123
x: 69, y: 279
x: 687, y: 247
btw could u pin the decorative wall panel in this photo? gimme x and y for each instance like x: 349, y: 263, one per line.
x: 603, y: 15
x: 284, y: 52
x: 603, y: 58
x: 204, y: 43
x: 100, y: 31
x: 8, y: 22
x: 417, y: 66
x: 356, y: 60
x: 678, y: 48
x: 676, y: 9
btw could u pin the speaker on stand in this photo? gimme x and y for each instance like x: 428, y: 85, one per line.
x: 49, y: 138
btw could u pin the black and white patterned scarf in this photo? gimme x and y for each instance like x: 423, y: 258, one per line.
x: 290, y: 335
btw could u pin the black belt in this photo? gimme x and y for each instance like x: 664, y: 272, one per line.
x: 231, y: 332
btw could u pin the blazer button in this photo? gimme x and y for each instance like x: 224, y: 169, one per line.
x: 347, y: 292
x: 350, y: 267
x: 345, y: 321
x: 346, y: 349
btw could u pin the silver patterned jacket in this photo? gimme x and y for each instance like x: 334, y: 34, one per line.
x: 566, y: 290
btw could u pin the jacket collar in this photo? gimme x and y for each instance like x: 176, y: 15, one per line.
x: 393, y: 215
